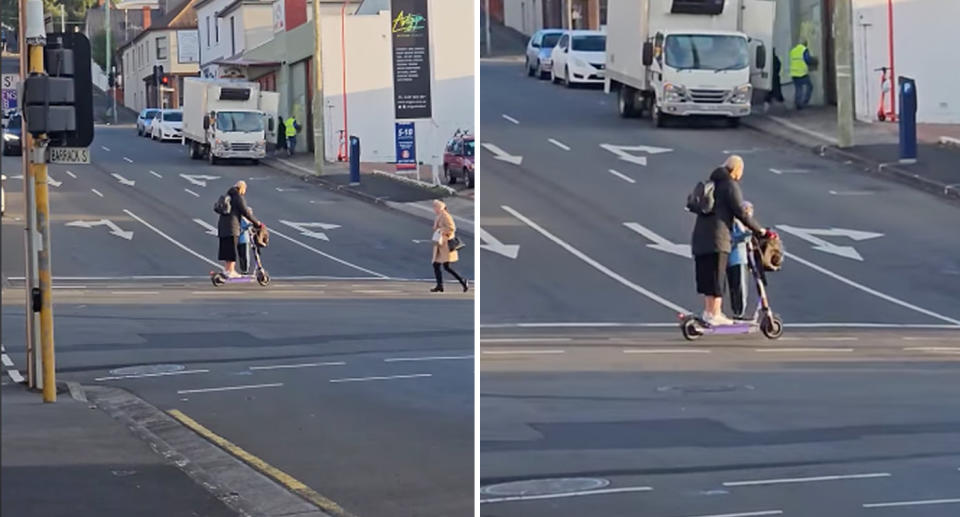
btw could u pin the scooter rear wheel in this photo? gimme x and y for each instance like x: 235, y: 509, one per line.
x: 772, y: 327
x: 263, y: 278
x: 690, y: 328
x: 218, y: 279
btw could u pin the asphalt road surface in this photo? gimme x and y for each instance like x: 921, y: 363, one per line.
x: 344, y: 373
x: 591, y: 403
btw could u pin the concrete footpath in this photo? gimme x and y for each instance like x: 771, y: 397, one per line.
x: 937, y: 169
x: 70, y: 459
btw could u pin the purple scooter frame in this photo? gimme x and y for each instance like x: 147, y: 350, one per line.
x: 260, y: 274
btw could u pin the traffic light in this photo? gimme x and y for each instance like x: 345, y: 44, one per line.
x: 111, y: 81
x: 165, y: 80
x: 60, y: 102
x: 157, y: 74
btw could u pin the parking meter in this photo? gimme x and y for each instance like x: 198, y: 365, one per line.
x: 908, y: 119
x: 354, y: 160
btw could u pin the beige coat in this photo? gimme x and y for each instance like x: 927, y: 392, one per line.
x: 442, y: 253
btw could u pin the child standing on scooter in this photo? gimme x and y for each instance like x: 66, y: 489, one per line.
x: 738, y: 273
x: 243, y: 245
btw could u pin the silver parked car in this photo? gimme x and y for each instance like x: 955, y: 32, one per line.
x: 144, y: 120
x: 539, y: 47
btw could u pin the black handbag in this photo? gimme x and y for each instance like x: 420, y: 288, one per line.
x: 454, y: 244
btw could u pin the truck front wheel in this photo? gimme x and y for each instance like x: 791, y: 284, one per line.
x: 658, y: 117
x: 625, y: 101
x: 211, y: 157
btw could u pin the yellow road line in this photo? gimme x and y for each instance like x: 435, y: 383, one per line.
x: 280, y: 476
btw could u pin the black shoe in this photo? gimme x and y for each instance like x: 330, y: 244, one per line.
x: 437, y: 289
x: 466, y: 286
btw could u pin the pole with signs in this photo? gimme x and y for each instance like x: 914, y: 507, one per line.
x: 316, y: 107
x: 411, y: 60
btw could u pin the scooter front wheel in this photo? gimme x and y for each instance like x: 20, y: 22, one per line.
x: 218, y: 279
x: 772, y: 327
x: 690, y: 328
x: 263, y: 278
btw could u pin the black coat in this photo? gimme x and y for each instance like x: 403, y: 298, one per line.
x: 711, y: 233
x: 229, y: 224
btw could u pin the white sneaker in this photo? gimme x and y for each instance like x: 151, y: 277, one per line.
x: 717, y: 320
x: 232, y: 274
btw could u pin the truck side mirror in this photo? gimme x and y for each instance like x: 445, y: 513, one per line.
x: 761, y: 57
x: 647, y: 53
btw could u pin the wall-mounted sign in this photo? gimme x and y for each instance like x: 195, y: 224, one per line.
x: 279, y: 24
x: 188, y: 46
x: 411, y: 59
x: 406, y: 144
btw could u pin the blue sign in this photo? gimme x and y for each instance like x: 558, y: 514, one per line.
x: 406, y: 146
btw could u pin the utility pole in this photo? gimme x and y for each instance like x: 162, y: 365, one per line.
x: 319, y: 146
x: 113, y: 89
x: 63, y: 20
x: 34, y: 365
x: 36, y: 39
x: 843, y: 56
x: 487, y: 28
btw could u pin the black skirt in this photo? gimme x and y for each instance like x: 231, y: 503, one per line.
x: 228, y: 249
x: 711, y: 273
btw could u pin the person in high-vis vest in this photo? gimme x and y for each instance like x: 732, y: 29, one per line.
x: 800, y: 72
x: 291, y: 126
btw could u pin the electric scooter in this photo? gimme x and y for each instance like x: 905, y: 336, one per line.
x: 882, y: 112
x: 764, y: 319
x: 260, y: 274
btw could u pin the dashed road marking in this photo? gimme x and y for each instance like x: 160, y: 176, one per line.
x: 803, y: 350
x: 624, y: 177
x: 300, y: 365
x: 231, y: 388
x: 911, y: 503
x: 71, y: 174
x: 510, y: 119
x: 146, y: 375
x: 745, y: 514
x: 157, y: 174
x: 666, y: 351
x: 105, y: 148
x: 97, y: 192
x: 600, y: 491
x: 523, y: 352
x: 383, y: 378
x: 192, y: 192
x: 431, y: 358
x: 559, y: 144
x: 781, y: 481
x: 128, y: 160
x: 526, y: 340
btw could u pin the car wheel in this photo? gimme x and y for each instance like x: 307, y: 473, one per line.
x: 469, y: 180
x: 449, y: 176
x: 530, y: 70
x: 139, y: 132
x: 540, y: 73
x: 566, y: 77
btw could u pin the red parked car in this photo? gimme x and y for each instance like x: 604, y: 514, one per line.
x: 458, y: 159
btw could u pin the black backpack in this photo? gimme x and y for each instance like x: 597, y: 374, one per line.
x: 222, y: 206
x: 701, y: 200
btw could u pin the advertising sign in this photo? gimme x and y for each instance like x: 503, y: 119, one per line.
x: 188, y: 46
x: 411, y: 59
x: 406, y: 146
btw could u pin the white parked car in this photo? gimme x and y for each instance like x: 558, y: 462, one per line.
x: 167, y: 125
x: 538, y: 52
x: 3, y: 195
x: 579, y: 57
x: 144, y: 119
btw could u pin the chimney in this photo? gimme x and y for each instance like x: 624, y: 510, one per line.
x: 146, y: 17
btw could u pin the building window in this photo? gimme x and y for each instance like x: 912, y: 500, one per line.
x: 208, y: 32
x: 233, y: 39
x: 216, y: 25
x: 162, y: 47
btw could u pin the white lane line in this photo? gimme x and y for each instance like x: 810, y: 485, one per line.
x: 930, y: 338
x: 874, y: 292
x: 932, y: 349
x: 745, y: 514
x: 172, y: 240
x: 596, y: 265
x: 509, y: 118
x: 128, y: 160
x: 559, y: 144
x: 331, y: 257
x: 97, y: 192
x: 781, y: 481
x: 139, y: 293
x: 825, y: 338
x: 376, y: 291
x: 523, y: 352
x: 71, y: 174
x: 600, y: 491
x: 923, y: 326
x: 789, y: 171
x: 145, y: 375
x: 15, y: 375
x: 802, y: 350
x: 526, y: 340
x: 383, y: 378
x: 851, y: 193
x: 231, y: 388
x: 874, y: 325
x: 157, y: 174
x: 624, y: 177
x: 666, y: 351
x: 192, y: 192
x: 105, y: 148
x: 430, y: 358
x: 911, y: 503
x: 301, y: 365
x: 68, y: 287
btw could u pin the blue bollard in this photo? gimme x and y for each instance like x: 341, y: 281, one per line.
x: 908, y: 120
x: 354, y: 160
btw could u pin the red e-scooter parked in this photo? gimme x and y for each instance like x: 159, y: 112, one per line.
x: 883, y: 111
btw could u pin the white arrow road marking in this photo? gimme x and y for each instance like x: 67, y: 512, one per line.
x: 114, y: 229
x: 509, y: 118
x: 623, y: 152
x: 559, y: 144
x: 660, y: 243
x: 503, y: 156
x: 199, y: 180
x: 624, y: 177
x: 810, y: 235
x: 206, y: 226
x: 788, y: 171
x: 52, y: 182
x: 304, y: 229
x: 491, y: 243
x: 124, y: 181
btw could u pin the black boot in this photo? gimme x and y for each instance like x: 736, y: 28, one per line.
x: 437, y: 289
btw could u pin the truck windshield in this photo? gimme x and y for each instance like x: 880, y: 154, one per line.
x: 706, y: 52
x: 590, y: 43
x: 243, y: 121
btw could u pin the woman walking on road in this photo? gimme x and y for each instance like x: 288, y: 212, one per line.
x: 443, y: 232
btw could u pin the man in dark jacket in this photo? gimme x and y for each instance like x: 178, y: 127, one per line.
x: 712, y: 240
x: 228, y: 227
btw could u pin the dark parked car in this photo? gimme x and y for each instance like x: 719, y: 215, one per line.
x: 13, y: 135
x: 458, y: 159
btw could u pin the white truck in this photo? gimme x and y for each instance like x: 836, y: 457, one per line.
x: 675, y: 58
x: 224, y: 118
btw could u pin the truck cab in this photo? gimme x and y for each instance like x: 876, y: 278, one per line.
x: 236, y: 133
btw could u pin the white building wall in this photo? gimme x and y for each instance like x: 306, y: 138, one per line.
x: 525, y: 16
x: 138, y: 61
x: 211, y: 49
x: 369, y: 76
x: 255, y: 26
x: 925, y: 38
